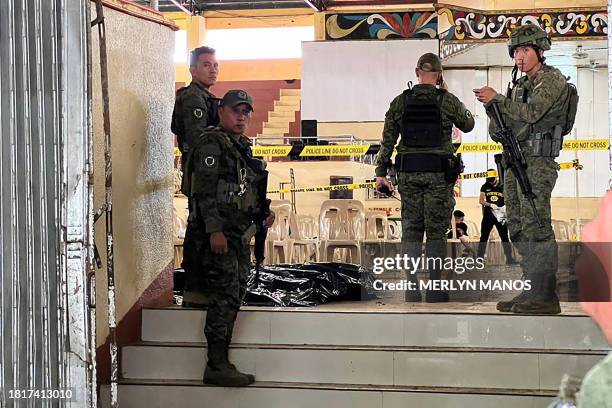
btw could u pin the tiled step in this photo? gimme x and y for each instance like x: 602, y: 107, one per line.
x: 274, y: 131
x: 290, y: 92
x: 300, y: 326
x: 285, y: 115
x: 277, y: 123
x: 286, y: 107
x: 434, y: 367
x: 290, y: 105
x: 194, y: 394
x: 290, y: 98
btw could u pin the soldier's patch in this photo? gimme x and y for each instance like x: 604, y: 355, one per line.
x: 209, y: 161
x: 198, y: 113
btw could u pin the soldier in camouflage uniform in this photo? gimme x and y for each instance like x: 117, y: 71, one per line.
x: 535, y: 110
x: 425, y: 165
x: 222, y: 178
x: 196, y: 107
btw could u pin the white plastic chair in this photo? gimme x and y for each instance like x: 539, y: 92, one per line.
x: 342, y: 226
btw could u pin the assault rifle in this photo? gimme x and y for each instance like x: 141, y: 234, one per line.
x: 264, y: 206
x: 513, y: 156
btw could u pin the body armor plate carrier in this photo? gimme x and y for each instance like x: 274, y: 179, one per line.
x: 422, y: 121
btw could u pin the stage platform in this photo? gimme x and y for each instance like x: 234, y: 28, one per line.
x: 377, y: 353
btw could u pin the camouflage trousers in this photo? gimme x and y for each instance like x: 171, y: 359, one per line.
x: 217, y: 281
x: 427, y: 206
x: 536, y: 244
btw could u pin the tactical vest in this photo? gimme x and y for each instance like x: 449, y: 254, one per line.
x: 567, y: 115
x: 546, y: 137
x: 571, y: 107
x: 178, y: 125
x: 241, y: 193
x: 421, y: 124
x: 236, y: 190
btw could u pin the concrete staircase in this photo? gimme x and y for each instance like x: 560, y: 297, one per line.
x: 283, y: 114
x: 374, y: 359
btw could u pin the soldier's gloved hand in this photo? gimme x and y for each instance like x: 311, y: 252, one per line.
x: 270, y: 220
x: 218, y: 243
x: 383, y: 186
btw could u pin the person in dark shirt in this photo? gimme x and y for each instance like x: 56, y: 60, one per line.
x: 493, y: 215
x: 462, y: 231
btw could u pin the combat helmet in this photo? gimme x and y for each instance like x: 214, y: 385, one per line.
x: 528, y: 34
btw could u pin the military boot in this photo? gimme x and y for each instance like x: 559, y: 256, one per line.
x: 220, y: 372
x: 412, y: 296
x: 506, y: 305
x: 251, y: 377
x: 551, y: 306
x: 436, y: 296
x: 544, y: 299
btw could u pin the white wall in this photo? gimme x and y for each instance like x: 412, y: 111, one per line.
x: 143, y: 178
x: 461, y: 83
x: 354, y: 81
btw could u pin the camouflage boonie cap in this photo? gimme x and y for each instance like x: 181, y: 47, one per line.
x: 528, y: 34
x: 429, y: 62
x: 236, y: 97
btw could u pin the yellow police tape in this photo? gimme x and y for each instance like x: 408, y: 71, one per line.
x: 568, y: 145
x: 312, y: 151
x: 360, y: 150
x: 488, y: 147
x: 594, y: 144
x: 335, y: 150
x: 574, y: 164
x: 271, y: 151
x: 352, y: 186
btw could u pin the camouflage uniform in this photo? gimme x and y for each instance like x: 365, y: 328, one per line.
x: 534, y: 108
x: 427, y: 197
x: 224, y: 199
x: 218, y: 281
x: 195, y: 108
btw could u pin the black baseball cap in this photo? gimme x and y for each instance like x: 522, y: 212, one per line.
x: 236, y: 97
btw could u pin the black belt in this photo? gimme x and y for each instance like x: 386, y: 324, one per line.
x: 421, y: 162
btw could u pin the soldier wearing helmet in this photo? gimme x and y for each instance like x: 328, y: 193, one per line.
x: 528, y: 35
x: 535, y: 108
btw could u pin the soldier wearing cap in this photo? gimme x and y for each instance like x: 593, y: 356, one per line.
x: 223, y: 181
x: 195, y: 107
x: 426, y: 168
x: 536, y: 109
